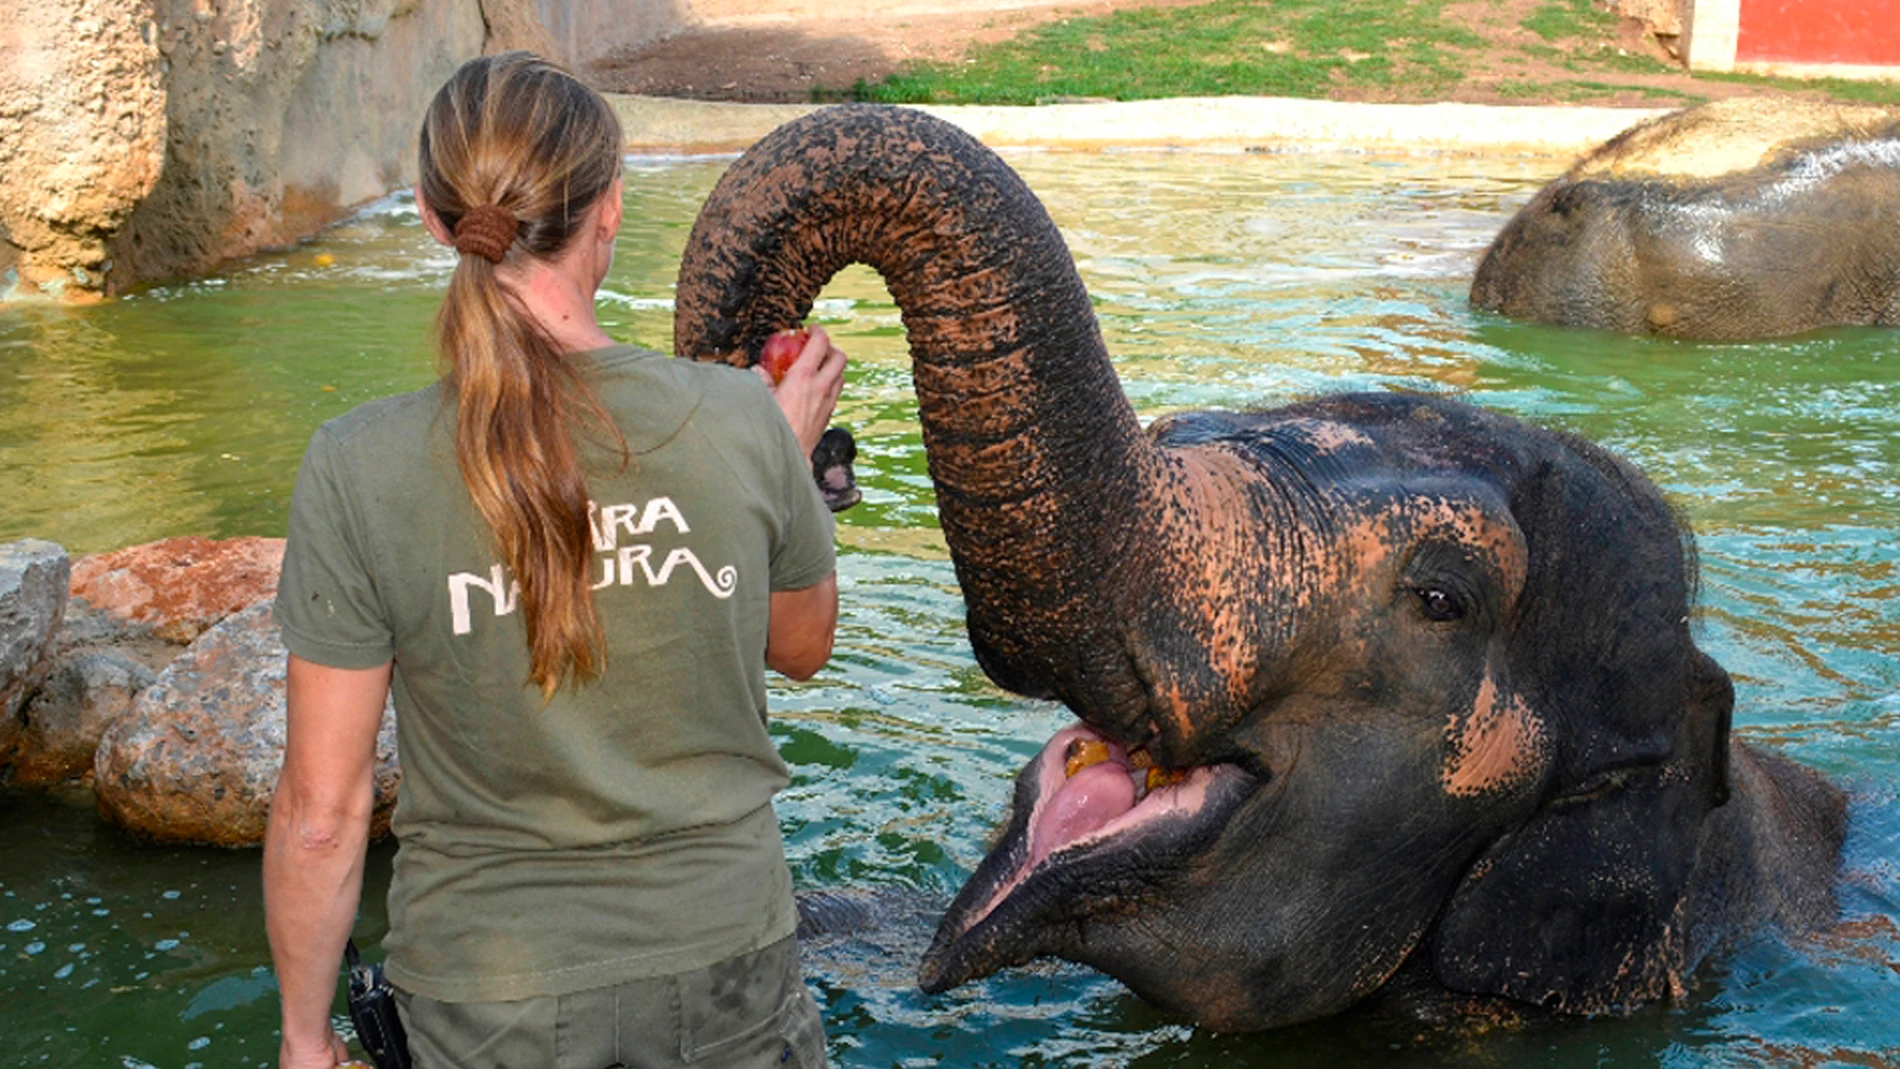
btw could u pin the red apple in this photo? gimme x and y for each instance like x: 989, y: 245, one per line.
x: 781, y: 352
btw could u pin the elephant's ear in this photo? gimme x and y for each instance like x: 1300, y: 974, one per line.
x: 1577, y: 911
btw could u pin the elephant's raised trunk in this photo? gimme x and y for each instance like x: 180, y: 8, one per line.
x: 1036, y: 454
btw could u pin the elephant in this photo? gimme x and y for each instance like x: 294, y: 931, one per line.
x: 1377, y: 694
x: 1748, y: 218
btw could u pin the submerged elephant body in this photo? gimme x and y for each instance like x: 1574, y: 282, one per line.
x: 1376, y: 691
x: 1749, y: 218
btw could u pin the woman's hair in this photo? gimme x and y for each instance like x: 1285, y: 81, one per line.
x: 514, y: 151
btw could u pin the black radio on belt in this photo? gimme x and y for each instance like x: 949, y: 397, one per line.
x: 373, y: 1012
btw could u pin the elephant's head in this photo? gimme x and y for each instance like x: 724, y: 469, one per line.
x: 1473, y: 733
x: 1415, y: 680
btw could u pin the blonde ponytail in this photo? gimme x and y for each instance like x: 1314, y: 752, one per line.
x: 514, y: 151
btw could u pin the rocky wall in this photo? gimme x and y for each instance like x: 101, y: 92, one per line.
x: 147, y: 139
x: 281, y: 115
x: 586, y: 30
x: 82, y: 136
x: 1664, y: 18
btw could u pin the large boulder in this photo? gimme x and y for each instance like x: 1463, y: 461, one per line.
x: 179, y: 587
x: 33, y: 579
x: 84, y: 696
x: 197, y: 758
x: 1748, y: 218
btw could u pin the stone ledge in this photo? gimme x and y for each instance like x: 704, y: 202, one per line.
x: 661, y: 126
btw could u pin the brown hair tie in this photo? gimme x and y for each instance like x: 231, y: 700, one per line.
x: 486, y: 231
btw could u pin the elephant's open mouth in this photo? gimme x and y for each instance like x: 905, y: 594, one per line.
x: 1091, y: 790
x: 1083, y: 806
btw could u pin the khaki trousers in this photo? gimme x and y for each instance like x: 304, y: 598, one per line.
x: 748, y: 1012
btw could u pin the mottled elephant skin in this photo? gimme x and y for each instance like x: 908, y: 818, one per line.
x: 1752, y: 218
x: 1417, y: 680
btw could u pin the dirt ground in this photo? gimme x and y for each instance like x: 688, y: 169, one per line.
x: 736, y: 55
x: 733, y: 54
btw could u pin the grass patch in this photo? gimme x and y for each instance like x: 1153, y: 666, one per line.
x: 1561, y: 19
x: 1842, y: 89
x: 1385, y: 49
x: 1609, y: 57
x: 1302, y: 48
x: 1513, y: 90
x: 1605, y: 89
x: 1582, y: 92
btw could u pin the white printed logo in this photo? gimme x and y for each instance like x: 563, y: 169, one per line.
x: 617, y: 562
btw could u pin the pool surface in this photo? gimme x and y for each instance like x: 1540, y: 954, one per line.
x: 1221, y: 281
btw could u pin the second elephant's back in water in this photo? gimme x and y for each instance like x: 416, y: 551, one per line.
x: 1748, y: 218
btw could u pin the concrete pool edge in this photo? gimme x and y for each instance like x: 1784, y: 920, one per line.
x: 664, y: 126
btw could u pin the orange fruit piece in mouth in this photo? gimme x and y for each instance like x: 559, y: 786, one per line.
x: 1083, y: 753
x: 1164, y: 777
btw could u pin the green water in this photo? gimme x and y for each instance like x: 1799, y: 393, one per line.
x: 1220, y: 281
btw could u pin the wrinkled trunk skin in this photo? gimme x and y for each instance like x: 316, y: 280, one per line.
x: 1049, y: 492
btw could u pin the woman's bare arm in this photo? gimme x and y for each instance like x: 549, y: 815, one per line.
x: 314, y: 845
x: 798, y: 638
x: 799, y: 633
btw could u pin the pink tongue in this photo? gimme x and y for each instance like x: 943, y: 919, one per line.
x: 1089, y: 800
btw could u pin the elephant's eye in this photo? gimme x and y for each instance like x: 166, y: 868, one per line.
x: 1439, y: 604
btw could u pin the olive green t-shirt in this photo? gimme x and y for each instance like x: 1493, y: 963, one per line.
x: 624, y: 828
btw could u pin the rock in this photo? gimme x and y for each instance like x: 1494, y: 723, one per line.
x: 33, y: 578
x: 65, y: 721
x: 1661, y: 17
x: 89, y: 630
x: 197, y: 758
x: 514, y: 25
x: 586, y: 31
x: 145, y: 139
x: 178, y: 587
x: 283, y: 115
x: 82, y: 136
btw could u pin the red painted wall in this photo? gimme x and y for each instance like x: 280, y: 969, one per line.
x: 1820, y: 31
